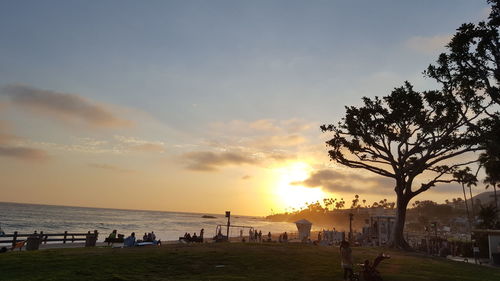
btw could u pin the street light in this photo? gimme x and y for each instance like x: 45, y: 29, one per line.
x: 351, y: 215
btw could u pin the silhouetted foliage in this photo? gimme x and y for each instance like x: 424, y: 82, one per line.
x: 471, y: 68
x: 489, y: 217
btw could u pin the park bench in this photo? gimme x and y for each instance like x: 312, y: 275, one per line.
x: 118, y: 239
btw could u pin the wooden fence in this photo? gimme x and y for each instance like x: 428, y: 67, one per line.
x: 90, y: 238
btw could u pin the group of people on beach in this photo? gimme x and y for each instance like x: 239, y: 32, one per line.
x: 149, y: 237
x: 254, y: 235
x: 131, y: 241
x: 283, y: 238
x: 194, y: 238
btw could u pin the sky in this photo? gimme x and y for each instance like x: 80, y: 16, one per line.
x: 202, y: 106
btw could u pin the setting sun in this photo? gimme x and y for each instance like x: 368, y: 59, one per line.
x: 292, y: 195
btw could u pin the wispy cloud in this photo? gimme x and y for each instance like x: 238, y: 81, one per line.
x: 212, y: 161
x: 277, y: 141
x: 148, y: 147
x: 208, y: 161
x: 6, y: 137
x: 335, y: 181
x: 23, y: 153
x: 10, y: 147
x: 63, y: 106
x: 115, y: 145
x: 263, y: 126
x: 135, y: 144
x: 109, y: 167
x: 428, y: 45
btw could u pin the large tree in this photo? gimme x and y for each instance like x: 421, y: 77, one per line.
x: 416, y: 138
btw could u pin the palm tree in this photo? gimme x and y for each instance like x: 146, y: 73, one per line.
x: 466, y: 205
x: 471, y: 202
x: 494, y: 192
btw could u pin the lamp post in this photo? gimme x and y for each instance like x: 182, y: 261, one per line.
x: 351, y: 215
x: 228, y: 216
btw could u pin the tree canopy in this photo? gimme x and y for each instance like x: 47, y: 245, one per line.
x: 406, y: 134
x: 469, y: 69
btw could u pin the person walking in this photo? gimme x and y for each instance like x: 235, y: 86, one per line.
x: 475, y: 250
x: 346, y: 259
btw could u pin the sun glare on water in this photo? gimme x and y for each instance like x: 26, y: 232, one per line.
x: 290, y: 195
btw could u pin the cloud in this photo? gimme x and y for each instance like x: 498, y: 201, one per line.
x: 428, y: 45
x: 23, y: 153
x: 277, y: 156
x: 263, y: 126
x: 10, y: 147
x: 212, y: 161
x: 277, y: 141
x: 334, y: 181
x: 6, y: 138
x: 148, y: 147
x: 109, y: 168
x: 140, y: 145
x: 262, y: 142
x: 63, y: 106
x: 115, y: 145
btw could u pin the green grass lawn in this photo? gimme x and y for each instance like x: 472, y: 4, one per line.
x: 237, y: 261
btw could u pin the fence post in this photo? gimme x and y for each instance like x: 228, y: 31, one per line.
x: 65, y: 235
x: 14, y: 239
x: 44, y: 239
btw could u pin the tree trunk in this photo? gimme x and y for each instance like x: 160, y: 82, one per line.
x: 397, y: 239
x: 495, y: 193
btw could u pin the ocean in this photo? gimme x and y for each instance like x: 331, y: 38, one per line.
x: 27, y: 218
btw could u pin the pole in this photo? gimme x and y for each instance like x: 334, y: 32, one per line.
x: 350, y: 226
x: 228, y: 216
x: 427, y: 229
x: 436, y: 234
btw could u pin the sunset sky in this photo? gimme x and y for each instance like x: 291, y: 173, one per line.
x: 202, y: 106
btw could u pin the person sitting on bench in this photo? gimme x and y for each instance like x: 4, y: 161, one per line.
x: 111, y: 237
x: 129, y: 241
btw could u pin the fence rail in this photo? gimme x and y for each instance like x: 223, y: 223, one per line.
x: 67, y: 237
